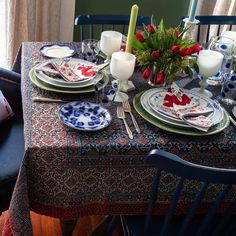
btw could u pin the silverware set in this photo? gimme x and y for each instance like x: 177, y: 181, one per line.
x: 121, y: 115
x: 121, y: 110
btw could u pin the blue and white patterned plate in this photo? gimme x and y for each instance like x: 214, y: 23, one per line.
x: 153, y: 107
x: 84, y: 116
x: 57, y: 51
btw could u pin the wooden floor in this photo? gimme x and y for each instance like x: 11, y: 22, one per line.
x: 47, y: 226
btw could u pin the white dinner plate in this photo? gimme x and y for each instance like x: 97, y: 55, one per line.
x: 62, y: 83
x: 162, y: 117
x: 216, y: 116
x: 46, y: 79
x: 57, y: 51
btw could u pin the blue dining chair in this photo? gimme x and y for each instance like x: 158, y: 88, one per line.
x: 211, y: 223
x: 207, y: 22
x: 11, y: 137
x: 89, y: 23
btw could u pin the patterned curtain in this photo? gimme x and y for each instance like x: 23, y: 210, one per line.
x: 30, y: 20
x: 215, y: 7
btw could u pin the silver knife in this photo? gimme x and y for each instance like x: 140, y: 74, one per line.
x: 43, y: 99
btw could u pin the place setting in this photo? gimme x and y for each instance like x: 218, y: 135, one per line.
x: 181, y: 111
x: 166, y: 104
x: 70, y: 75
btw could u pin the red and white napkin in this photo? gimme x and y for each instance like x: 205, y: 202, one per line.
x: 74, y: 73
x: 186, y: 109
x: 70, y: 71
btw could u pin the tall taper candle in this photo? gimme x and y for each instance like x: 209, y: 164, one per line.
x: 132, y: 25
x: 192, y: 10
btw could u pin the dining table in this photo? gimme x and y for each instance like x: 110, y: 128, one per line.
x: 68, y: 173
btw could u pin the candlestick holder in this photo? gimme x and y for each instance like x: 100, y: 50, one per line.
x: 191, y: 25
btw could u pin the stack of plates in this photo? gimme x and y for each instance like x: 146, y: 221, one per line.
x: 49, y: 83
x: 149, y: 106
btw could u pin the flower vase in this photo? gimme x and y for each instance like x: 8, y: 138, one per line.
x: 153, y: 81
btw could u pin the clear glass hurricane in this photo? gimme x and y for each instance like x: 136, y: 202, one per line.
x: 224, y: 45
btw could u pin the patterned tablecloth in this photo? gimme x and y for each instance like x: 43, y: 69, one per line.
x: 68, y: 173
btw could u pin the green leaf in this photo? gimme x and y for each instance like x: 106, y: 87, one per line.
x: 145, y: 31
x: 188, y: 71
x: 234, y: 65
x: 138, y: 45
x: 184, y: 30
x: 160, y: 28
x: 153, y: 22
x: 195, y: 67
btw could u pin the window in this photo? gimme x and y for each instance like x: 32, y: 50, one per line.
x: 3, y: 35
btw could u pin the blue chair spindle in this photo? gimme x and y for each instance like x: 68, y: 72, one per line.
x: 152, y: 200
x: 212, y: 210
x: 172, y: 207
x: 225, y: 218
x: 111, y: 20
x: 211, y: 223
x: 193, y: 208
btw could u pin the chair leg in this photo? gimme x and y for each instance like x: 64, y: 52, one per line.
x: 124, y: 226
x: 67, y: 227
x: 102, y: 228
x: 112, y: 225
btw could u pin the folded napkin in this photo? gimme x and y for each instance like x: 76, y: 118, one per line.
x: 70, y: 71
x: 49, y: 70
x: 180, y: 105
x: 74, y: 73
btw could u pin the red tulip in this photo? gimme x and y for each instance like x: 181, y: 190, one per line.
x: 150, y: 29
x: 160, y: 77
x: 175, y: 48
x: 196, y: 48
x: 140, y: 37
x: 146, y: 73
x: 176, y: 33
x: 185, y: 52
x: 122, y: 48
x: 154, y: 54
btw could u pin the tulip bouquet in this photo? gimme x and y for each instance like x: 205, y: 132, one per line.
x: 163, y: 53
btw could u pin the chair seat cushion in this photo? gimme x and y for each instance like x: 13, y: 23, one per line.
x: 11, y: 148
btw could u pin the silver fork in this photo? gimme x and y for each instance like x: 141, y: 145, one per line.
x: 127, y: 108
x: 121, y: 115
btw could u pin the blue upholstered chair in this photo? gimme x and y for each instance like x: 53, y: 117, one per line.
x: 211, y: 223
x: 88, y: 23
x: 11, y: 137
x: 208, y: 22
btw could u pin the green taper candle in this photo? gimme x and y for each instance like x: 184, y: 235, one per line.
x: 132, y: 25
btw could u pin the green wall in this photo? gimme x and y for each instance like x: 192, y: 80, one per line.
x: 170, y: 10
